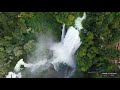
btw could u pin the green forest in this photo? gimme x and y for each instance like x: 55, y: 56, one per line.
x: 19, y: 32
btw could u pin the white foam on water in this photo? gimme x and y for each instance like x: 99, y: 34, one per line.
x: 63, y: 52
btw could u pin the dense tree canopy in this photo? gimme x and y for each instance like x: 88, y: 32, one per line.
x: 19, y: 32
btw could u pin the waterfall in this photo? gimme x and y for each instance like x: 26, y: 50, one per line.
x: 63, y: 33
x: 63, y: 53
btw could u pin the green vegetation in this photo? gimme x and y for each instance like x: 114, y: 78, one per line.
x: 101, y: 31
x: 19, y: 32
x: 18, y: 35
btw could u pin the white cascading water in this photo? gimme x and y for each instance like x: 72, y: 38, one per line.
x: 63, y: 52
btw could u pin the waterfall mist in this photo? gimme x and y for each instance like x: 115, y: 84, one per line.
x: 52, y: 59
x: 41, y: 59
